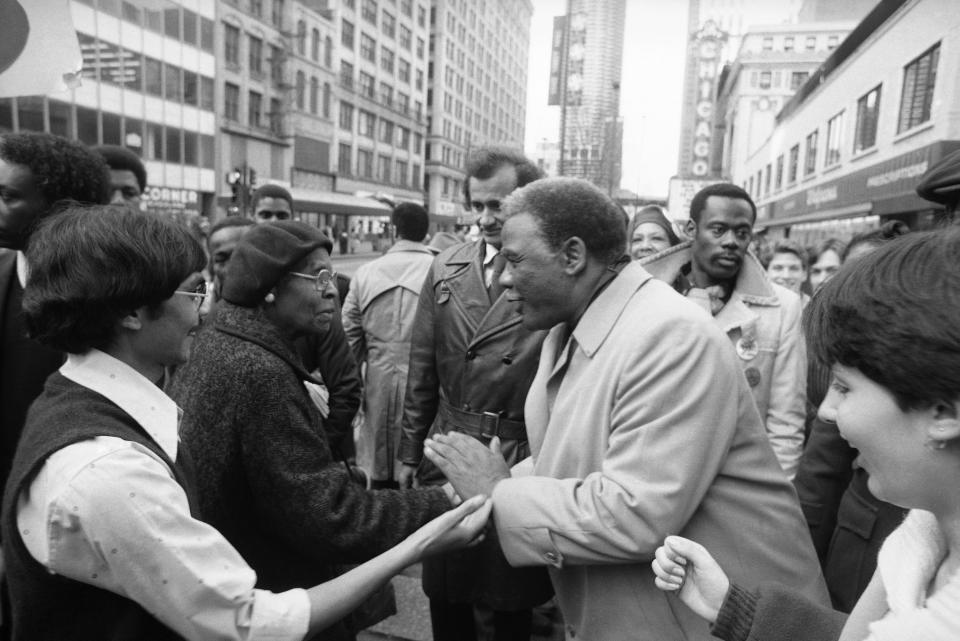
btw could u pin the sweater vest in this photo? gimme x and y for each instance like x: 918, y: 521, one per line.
x: 46, y: 605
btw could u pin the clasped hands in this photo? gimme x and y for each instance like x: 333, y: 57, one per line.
x: 471, y: 467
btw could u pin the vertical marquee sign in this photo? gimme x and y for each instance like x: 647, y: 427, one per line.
x: 705, y: 59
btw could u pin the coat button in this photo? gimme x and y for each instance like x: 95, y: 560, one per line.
x: 753, y: 376
x: 551, y: 556
x: 466, y: 407
x: 506, y: 360
x: 471, y: 355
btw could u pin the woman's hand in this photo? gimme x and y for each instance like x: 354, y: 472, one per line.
x: 686, y: 568
x: 460, y: 527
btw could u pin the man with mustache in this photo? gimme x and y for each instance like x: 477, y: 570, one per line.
x: 471, y: 363
x: 761, y: 318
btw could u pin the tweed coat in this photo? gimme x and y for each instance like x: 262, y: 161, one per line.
x: 378, y: 318
x: 265, y: 474
x: 640, y: 427
x: 471, y: 353
x: 762, y: 320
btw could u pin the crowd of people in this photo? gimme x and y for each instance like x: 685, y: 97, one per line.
x: 583, y: 425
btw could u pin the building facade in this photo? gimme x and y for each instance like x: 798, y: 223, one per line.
x: 848, y: 149
x: 476, y: 92
x: 591, y: 129
x: 148, y: 84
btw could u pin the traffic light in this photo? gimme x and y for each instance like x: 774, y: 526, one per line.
x: 235, y: 180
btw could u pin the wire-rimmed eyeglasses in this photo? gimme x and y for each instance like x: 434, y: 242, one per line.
x: 321, y: 279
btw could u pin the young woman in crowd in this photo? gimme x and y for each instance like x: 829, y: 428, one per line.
x: 102, y: 537
x: 894, y: 353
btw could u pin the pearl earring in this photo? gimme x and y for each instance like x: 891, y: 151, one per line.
x: 269, y: 298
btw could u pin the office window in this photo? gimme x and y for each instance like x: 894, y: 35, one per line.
x: 346, y: 34
x: 419, y: 83
x: 386, y: 59
x: 386, y: 94
x: 276, y: 17
x: 422, y: 16
x: 834, y: 139
x: 788, y: 43
x: 152, y: 76
x: 346, y: 116
x: 326, y: 100
x: 231, y: 102
x: 277, y: 58
x: 919, y: 79
x: 366, y: 84
x: 778, y: 180
x: 406, y: 37
x: 403, y: 138
x: 190, y: 27
x: 811, y: 43
x: 206, y: 93
x: 344, y: 160
x: 366, y: 123
x: 401, y: 173
x: 415, y: 177
x: 768, y: 44
x: 794, y: 161
x: 190, y: 152
x: 206, y: 37
x: 171, y: 23
x: 389, y: 25
x: 314, y: 94
x: 256, y: 55
x: 766, y: 180
x: 406, y: 8
x: 368, y: 10
x: 386, y: 131
x: 368, y: 48
x: 765, y: 77
x: 420, y: 48
x: 403, y: 102
x: 868, y: 113
x: 328, y: 52
x: 383, y: 168
x: 173, y: 146
x: 254, y: 109
x: 797, y: 78
x: 417, y: 144
x: 300, y: 89
x: 191, y: 88
x: 365, y: 163
x: 256, y: 8
x: 301, y: 37
x: 315, y: 44
x: 403, y: 71
x: 276, y: 117
x: 346, y: 74
x: 231, y: 44
x: 810, y: 156
x: 171, y: 82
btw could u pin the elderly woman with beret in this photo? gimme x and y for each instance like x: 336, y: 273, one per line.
x: 650, y: 232
x: 266, y: 476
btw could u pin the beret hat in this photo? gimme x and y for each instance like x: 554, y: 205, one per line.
x: 941, y: 183
x: 264, y: 256
x: 653, y: 215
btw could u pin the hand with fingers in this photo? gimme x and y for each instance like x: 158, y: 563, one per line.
x: 460, y: 527
x: 470, y: 466
x: 685, y: 567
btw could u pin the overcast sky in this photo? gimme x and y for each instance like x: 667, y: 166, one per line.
x: 650, y: 95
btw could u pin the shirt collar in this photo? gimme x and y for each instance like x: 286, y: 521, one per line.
x: 23, y: 269
x: 130, y: 391
x: 490, y: 253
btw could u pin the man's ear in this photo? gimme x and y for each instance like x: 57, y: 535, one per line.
x: 132, y: 320
x: 690, y: 228
x: 573, y: 253
x: 945, y: 421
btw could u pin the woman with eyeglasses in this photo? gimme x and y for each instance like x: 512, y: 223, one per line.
x: 266, y: 476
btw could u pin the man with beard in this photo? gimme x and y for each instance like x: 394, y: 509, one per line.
x: 471, y: 363
x: 761, y: 319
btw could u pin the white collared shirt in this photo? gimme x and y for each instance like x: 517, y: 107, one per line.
x: 108, y: 512
x: 491, y: 253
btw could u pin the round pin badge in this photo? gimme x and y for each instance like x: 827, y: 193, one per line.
x: 753, y: 376
x: 747, y: 349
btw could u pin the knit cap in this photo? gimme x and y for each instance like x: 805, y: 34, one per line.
x: 653, y: 215
x: 264, y: 256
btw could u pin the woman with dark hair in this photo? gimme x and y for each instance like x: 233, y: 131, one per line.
x: 650, y: 232
x: 266, y: 473
x: 101, y: 530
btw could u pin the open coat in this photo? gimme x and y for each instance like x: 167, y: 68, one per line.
x: 642, y: 426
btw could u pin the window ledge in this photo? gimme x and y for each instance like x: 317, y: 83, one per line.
x: 910, y: 133
x: 834, y: 167
x: 864, y: 153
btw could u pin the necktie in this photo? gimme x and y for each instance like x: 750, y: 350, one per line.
x: 495, y: 289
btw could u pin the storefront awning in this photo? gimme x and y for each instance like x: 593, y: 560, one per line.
x: 330, y: 202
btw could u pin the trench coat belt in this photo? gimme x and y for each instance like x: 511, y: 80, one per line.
x: 482, y: 425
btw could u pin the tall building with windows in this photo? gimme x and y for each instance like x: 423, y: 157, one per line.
x: 476, y: 91
x: 847, y: 150
x: 591, y: 130
x: 772, y: 64
x: 147, y: 83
